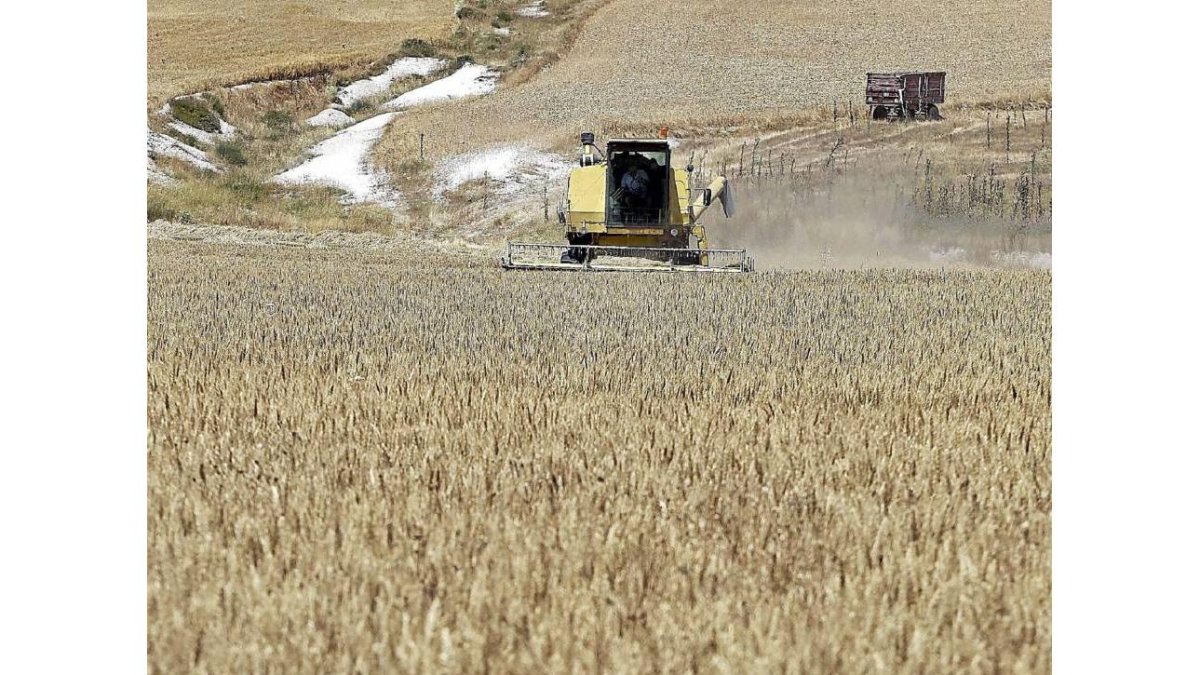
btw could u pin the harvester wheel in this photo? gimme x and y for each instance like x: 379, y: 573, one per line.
x: 573, y: 255
x: 933, y: 113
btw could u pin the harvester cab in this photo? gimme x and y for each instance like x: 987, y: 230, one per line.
x: 638, y: 182
x: 628, y: 209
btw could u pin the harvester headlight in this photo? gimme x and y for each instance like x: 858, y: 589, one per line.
x: 674, y: 232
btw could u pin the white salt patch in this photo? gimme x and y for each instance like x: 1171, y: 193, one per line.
x: 198, y: 134
x: 534, y: 10
x: 341, y: 161
x: 165, y: 146
x: 516, y: 165
x: 209, y: 137
x: 373, y: 86
x: 504, y: 32
x: 470, y: 80
x: 330, y: 117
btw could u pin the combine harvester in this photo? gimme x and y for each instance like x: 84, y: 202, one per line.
x: 628, y: 210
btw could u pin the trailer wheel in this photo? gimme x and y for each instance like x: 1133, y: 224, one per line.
x: 933, y: 113
x: 879, y: 112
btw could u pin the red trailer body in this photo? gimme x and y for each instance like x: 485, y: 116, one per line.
x: 906, y: 95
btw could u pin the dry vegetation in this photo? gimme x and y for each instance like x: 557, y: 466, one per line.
x: 840, y: 190
x: 384, y: 462
x: 729, y: 64
x: 715, y: 72
x: 271, y: 133
x: 855, y: 192
x: 193, y: 46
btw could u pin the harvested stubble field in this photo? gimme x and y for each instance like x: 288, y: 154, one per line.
x: 380, y: 462
x: 195, y: 45
x: 730, y: 63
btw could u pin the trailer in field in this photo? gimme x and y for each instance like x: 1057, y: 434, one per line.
x: 909, y: 96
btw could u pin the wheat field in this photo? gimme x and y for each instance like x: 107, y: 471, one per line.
x: 407, y: 461
x: 192, y: 45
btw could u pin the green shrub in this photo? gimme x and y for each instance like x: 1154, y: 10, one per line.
x: 504, y: 16
x: 232, y: 152
x: 416, y: 47
x: 469, y: 13
x: 195, y: 113
x: 279, y: 122
x: 180, y: 136
x: 214, y: 103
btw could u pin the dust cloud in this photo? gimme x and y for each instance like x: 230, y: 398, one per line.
x: 864, y: 219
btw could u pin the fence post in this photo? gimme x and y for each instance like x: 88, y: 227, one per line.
x: 1007, y: 134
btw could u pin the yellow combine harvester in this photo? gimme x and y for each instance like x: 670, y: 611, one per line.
x: 629, y: 210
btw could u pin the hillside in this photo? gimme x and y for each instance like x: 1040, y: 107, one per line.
x: 722, y: 75
x: 722, y: 61
x: 192, y: 45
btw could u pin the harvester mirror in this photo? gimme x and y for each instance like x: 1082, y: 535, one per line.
x: 707, y: 196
